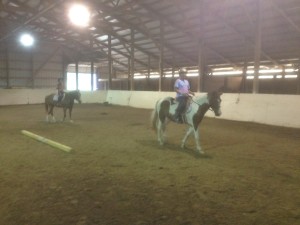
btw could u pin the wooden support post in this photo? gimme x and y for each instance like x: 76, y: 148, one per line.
x: 161, y: 56
x: 128, y: 77
x: 257, y: 51
x: 148, y: 72
x: 92, y: 76
x: 244, y: 77
x: 64, y: 65
x: 7, y: 66
x: 298, y: 80
x: 92, y: 67
x: 32, y: 69
x: 200, y: 78
x: 173, y: 73
x: 109, y: 63
x: 132, y: 61
x: 76, y: 68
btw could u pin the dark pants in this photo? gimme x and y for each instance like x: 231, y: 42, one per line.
x: 60, y: 95
x: 182, y: 101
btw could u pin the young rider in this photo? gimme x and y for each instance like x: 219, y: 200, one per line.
x: 182, y: 89
x: 60, y: 88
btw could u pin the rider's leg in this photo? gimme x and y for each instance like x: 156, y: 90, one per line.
x: 60, y: 96
x: 180, y: 108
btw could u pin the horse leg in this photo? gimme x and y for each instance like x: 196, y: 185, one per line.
x: 197, y: 140
x: 187, y: 134
x: 160, y: 132
x: 51, y: 113
x: 47, y: 113
x: 70, y: 115
x: 65, y: 109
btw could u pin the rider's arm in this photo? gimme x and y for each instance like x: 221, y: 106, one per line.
x: 191, y: 93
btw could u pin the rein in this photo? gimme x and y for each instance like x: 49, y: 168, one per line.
x: 199, y: 104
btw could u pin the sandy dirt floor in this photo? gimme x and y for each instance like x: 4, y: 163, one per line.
x: 117, y: 174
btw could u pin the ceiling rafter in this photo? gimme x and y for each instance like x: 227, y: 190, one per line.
x: 285, y: 16
x: 78, y: 43
x: 193, y: 36
x: 36, y: 16
x: 224, y: 21
x: 124, y: 41
x: 145, y: 33
x: 224, y: 39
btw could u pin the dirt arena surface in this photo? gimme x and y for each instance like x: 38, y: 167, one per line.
x: 117, y: 174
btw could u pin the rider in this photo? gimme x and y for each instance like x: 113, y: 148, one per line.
x: 182, y: 89
x: 60, y: 89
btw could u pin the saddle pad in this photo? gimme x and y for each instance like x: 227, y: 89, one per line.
x: 55, y: 97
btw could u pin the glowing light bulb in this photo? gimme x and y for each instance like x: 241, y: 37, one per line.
x: 27, y: 40
x: 79, y: 15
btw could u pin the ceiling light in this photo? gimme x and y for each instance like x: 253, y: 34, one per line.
x: 79, y: 15
x: 26, y: 40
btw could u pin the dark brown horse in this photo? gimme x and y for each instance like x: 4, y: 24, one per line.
x: 66, y: 103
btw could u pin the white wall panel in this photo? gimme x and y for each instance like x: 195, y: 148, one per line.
x: 279, y: 110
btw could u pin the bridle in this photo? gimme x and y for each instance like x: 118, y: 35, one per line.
x: 210, y: 107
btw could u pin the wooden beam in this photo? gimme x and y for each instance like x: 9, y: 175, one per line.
x: 201, y: 47
x: 191, y: 35
x: 298, y: 78
x: 200, y: 78
x: 161, y: 55
x: 223, y: 20
x: 28, y: 21
x: 111, y: 11
x: 7, y: 66
x: 257, y: 48
x: 76, y: 71
x: 36, y: 72
x: 132, y: 60
x: 285, y: 16
x: 109, y: 63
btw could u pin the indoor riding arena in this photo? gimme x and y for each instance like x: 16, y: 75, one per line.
x: 88, y: 102
x: 116, y: 172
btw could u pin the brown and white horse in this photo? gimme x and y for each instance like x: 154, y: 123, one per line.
x: 165, y: 110
x: 66, y: 103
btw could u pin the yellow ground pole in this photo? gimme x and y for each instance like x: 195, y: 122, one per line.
x: 47, y: 141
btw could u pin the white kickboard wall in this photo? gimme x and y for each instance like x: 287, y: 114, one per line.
x: 279, y: 110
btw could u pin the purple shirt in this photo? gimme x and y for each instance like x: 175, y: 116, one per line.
x: 183, y: 86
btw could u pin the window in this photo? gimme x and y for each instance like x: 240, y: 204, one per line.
x: 84, y: 81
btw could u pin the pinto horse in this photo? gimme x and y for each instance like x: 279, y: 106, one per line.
x: 66, y: 103
x: 165, y: 109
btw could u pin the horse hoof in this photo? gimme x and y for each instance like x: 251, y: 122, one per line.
x: 201, y: 152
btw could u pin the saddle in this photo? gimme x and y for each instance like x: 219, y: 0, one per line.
x: 182, y: 116
x: 188, y: 103
x: 56, y: 98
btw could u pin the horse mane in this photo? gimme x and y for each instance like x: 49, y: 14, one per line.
x: 201, y: 99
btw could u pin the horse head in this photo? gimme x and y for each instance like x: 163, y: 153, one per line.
x: 214, y: 100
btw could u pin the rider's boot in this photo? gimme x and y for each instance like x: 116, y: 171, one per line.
x: 177, y: 117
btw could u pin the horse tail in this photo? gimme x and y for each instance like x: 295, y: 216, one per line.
x: 154, y: 117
